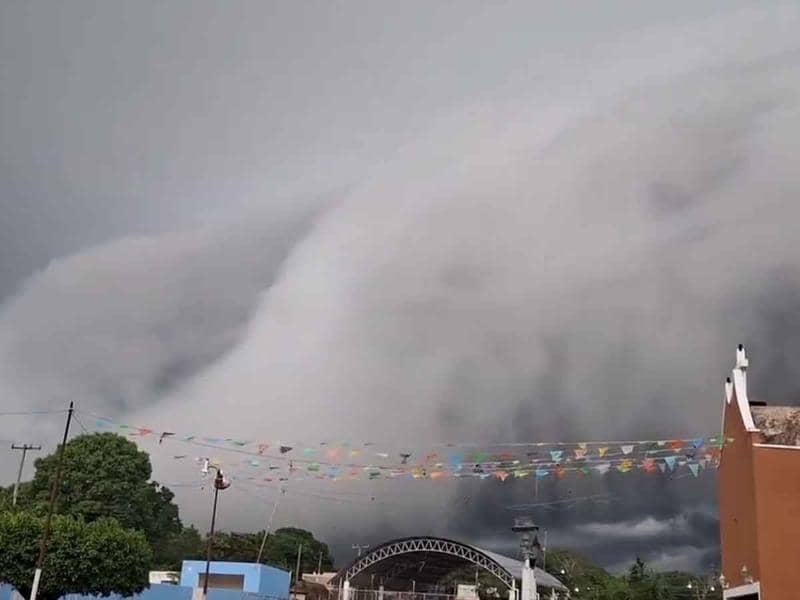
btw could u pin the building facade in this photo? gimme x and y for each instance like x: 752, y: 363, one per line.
x: 759, y: 495
x: 251, y: 578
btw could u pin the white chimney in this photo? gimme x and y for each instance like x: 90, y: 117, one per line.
x: 741, y: 358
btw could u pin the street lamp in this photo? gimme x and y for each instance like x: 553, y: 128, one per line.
x: 220, y: 483
x: 746, y: 575
x: 529, y: 540
x: 529, y: 544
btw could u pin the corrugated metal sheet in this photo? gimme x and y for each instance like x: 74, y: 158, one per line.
x: 514, y: 567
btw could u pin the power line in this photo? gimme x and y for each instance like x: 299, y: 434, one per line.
x: 28, y: 413
x: 593, y: 498
x: 81, y: 424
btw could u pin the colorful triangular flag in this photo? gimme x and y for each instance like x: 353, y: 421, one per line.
x: 602, y: 467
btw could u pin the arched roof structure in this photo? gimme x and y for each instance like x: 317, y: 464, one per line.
x: 426, y: 560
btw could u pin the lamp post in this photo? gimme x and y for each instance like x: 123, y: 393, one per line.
x: 529, y: 544
x: 746, y: 575
x: 220, y: 483
x: 723, y: 582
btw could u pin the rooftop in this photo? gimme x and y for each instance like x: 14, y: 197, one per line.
x: 779, y: 425
x: 427, y: 560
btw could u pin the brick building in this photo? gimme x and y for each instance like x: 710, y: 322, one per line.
x: 759, y: 495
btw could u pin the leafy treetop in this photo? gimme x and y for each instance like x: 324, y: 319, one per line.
x: 95, y: 558
x: 106, y: 475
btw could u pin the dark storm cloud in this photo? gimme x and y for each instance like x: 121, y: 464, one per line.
x: 610, y: 520
x: 566, y: 251
x: 774, y: 334
x: 140, y: 315
x: 137, y: 117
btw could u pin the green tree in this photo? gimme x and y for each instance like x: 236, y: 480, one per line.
x: 639, y: 571
x: 280, y: 549
x: 5, y: 499
x: 576, y: 571
x: 645, y: 584
x: 106, y: 475
x: 185, y: 545
x: 236, y: 546
x: 640, y: 582
x: 87, y: 558
x: 614, y: 588
x: 7, y: 496
x: 701, y: 586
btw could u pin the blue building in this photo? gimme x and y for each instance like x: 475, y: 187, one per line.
x: 7, y: 592
x: 244, y: 577
x: 226, y: 581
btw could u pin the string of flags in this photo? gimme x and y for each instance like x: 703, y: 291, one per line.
x: 277, y: 461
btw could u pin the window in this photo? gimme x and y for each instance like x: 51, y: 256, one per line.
x: 223, y: 581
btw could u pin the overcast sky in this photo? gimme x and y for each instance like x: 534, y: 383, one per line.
x: 411, y: 221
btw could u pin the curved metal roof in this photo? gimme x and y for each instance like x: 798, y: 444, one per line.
x: 426, y: 560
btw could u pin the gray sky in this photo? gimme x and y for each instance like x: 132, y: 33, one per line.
x: 443, y: 220
x: 130, y: 117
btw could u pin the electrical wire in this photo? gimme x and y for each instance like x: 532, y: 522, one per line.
x: 28, y: 413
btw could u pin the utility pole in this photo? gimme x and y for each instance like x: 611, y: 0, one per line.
x: 24, y: 448
x: 55, y: 488
x: 297, y: 569
x: 220, y: 483
x: 544, y: 552
x: 269, y: 526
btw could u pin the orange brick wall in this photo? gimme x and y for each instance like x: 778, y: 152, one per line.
x: 737, y: 501
x: 759, y: 511
x: 777, y: 479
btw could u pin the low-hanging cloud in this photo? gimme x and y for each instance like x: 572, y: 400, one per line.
x: 567, y: 274
x: 119, y: 325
